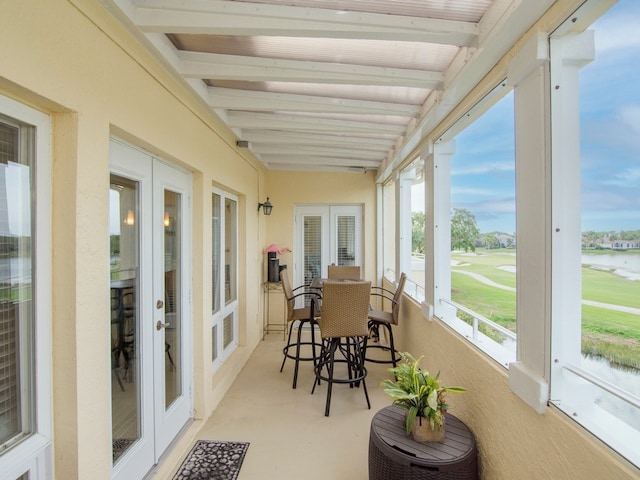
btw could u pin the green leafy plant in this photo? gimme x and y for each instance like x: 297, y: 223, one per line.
x: 418, y: 392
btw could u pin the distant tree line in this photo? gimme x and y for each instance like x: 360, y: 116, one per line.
x: 11, y: 246
x: 465, y: 234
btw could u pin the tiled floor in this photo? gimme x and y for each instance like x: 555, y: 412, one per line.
x: 290, y: 438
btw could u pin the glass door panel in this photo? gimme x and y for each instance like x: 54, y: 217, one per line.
x: 124, y: 261
x: 346, y: 239
x: 172, y: 288
x: 312, y: 265
x: 170, y: 306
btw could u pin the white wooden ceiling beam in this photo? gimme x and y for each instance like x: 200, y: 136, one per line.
x: 300, y: 123
x: 214, y: 66
x: 317, y: 160
x: 256, y: 137
x: 214, y: 17
x: 334, y: 152
x: 234, y: 99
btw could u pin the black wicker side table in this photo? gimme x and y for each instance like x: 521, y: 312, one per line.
x: 394, y: 455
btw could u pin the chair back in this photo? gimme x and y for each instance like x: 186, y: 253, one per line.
x: 288, y: 293
x: 344, y: 272
x: 345, y: 306
x: 395, y: 308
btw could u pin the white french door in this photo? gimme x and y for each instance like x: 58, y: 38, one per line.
x: 149, y: 230
x: 326, y: 234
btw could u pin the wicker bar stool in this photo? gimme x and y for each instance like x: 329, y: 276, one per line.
x: 343, y: 327
x: 304, y: 315
x: 381, y: 318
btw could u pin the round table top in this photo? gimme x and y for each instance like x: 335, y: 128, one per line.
x: 389, y: 426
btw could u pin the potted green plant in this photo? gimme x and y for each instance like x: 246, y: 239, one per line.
x: 422, y: 397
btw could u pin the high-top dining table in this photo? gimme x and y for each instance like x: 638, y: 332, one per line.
x: 317, y: 282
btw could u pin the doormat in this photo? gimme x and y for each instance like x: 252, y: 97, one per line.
x: 119, y: 446
x: 213, y: 460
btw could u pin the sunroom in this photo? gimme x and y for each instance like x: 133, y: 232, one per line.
x: 488, y: 149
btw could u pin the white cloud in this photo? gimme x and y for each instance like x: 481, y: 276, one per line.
x: 485, y: 168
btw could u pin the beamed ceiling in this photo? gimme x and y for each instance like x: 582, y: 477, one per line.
x: 329, y: 84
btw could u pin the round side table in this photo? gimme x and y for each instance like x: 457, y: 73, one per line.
x: 394, y: 455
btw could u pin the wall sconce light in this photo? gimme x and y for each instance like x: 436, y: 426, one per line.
x: 267, y: 207
x: 130, y: 219
x: 167, y: 220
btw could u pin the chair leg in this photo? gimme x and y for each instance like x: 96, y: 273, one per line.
x: 295, y: 370
x: 284, y: 350
x: 332, y: 354
x: 392, y: 346
x: 363, y: 354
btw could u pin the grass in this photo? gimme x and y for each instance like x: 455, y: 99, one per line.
x: 606, y: 333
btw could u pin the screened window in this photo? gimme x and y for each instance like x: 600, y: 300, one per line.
x: 596, y: 296
x: 16, y: 288
x: 482, y: 302
x: 24, y: 296
x: 224, y: 273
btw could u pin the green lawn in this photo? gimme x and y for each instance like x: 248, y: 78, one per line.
x: 608, y: 333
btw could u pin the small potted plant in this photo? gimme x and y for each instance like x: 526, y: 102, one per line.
x: 422, y: 397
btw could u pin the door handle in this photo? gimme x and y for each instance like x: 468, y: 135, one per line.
x: 160, y: 325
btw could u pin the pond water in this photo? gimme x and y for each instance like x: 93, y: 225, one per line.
x: 627, y: 266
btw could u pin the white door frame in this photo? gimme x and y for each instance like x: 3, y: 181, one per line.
x: 158, y: 428
x: 329, y: 248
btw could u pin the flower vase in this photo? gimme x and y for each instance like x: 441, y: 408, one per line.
x: 422, y: 432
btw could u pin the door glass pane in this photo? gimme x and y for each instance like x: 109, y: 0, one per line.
x: 172, y: 287
x: 346, y: 231
x: 16, y: 273
x: 124, y: 255
x: 215, y: 253
x: 312, y: 248
x: 230, y: 251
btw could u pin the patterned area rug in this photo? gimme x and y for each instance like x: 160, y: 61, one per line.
x: 212, y: 460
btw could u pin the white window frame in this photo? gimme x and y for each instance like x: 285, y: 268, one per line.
x: 226, y: 308
x: 34, y: 454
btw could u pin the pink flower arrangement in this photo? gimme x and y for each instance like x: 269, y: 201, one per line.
x: 274, y: 248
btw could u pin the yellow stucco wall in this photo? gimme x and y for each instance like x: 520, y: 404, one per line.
x: 75, y: 62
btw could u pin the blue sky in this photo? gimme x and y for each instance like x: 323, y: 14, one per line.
x: 483, y: 176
